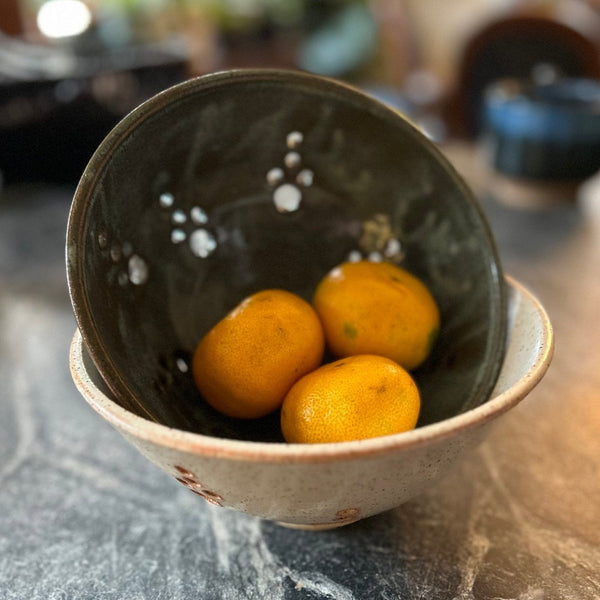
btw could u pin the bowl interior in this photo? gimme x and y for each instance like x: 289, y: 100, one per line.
x: 239, y: 181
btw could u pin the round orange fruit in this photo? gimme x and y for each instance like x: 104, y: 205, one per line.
x: 248, y: 361
x: 353, y: 398
x: 377, y: 308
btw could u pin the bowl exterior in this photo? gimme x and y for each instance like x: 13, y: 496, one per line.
x: 316, y: 494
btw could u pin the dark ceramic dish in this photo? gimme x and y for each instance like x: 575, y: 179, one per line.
x: 238, y: 181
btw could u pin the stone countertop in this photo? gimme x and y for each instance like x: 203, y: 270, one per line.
x: 83, y: 515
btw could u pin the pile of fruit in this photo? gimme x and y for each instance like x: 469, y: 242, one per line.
x: 376, y: 320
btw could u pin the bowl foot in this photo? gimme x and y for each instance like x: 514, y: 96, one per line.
x: 343, y: 517
x: 315, y: 526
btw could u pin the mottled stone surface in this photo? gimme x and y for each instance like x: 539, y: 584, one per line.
x: 83, y: 515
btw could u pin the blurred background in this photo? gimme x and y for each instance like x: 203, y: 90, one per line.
x: 509, y: 90
x: 70, y: 69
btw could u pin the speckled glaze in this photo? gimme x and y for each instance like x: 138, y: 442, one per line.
x: 240, y: 181
x: 328, y: 485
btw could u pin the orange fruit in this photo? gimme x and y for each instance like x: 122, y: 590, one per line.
x: 353, y: 398
x: 247, y: 362
x: 377, y: 308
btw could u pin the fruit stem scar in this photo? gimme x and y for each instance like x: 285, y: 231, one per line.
x: 379, y: 389
x: 350, y: 331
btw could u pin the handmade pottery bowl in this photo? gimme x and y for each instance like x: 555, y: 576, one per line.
x: 240, y: 181
x: 322, y: 486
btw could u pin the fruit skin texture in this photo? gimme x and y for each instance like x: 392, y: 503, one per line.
x: 353, y: 398
x: 247, y: 362
x: 377, y: 308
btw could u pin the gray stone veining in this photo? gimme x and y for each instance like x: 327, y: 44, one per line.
x: 83, y: 515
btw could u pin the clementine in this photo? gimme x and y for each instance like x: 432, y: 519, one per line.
x: 247, y: 362
x: 377, y: 308
x: 353, y: 398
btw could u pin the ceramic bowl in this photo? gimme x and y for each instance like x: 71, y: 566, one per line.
x: 245, y: 180
x: 328, y: 485
x: 240, y: 181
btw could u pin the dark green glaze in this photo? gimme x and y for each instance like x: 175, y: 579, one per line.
x: 209, y: 143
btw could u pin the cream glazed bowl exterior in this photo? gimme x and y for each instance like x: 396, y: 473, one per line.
x: 322, y: 486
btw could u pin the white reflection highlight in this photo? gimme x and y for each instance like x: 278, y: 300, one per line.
x: 63, y: 18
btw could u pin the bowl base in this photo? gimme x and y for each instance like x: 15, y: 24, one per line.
x: 315, y: 526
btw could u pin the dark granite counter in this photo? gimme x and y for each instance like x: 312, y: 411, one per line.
x: 83, y: 515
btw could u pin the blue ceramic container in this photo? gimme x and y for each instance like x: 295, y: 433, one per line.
x: 544, y: 132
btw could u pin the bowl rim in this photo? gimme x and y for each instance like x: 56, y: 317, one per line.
x: 94, y: 170
x: 196, y: 443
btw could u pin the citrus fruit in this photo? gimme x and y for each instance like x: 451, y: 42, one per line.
x: 353, y: 398
x: 248, y: 361
x: 377, y: 308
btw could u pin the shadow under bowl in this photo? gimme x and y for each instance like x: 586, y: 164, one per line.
x: 319, y: 486
x: 239, y: 181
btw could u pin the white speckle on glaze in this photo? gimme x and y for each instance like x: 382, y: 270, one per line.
x: 202, y: 243
x: 275, y: 176
x: 305, y: 177
x: 138, y: 270
x: 182, y: 365
x: 292, y: 159
x: 102, y: 239
x: 178, y: 217
x: 198, y: 215
x: 287, y: 198
x: 116, y: 253
x: 178, y: 236
x: 294, y: 139
x: 393, y: 248
x: 166, y: 200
